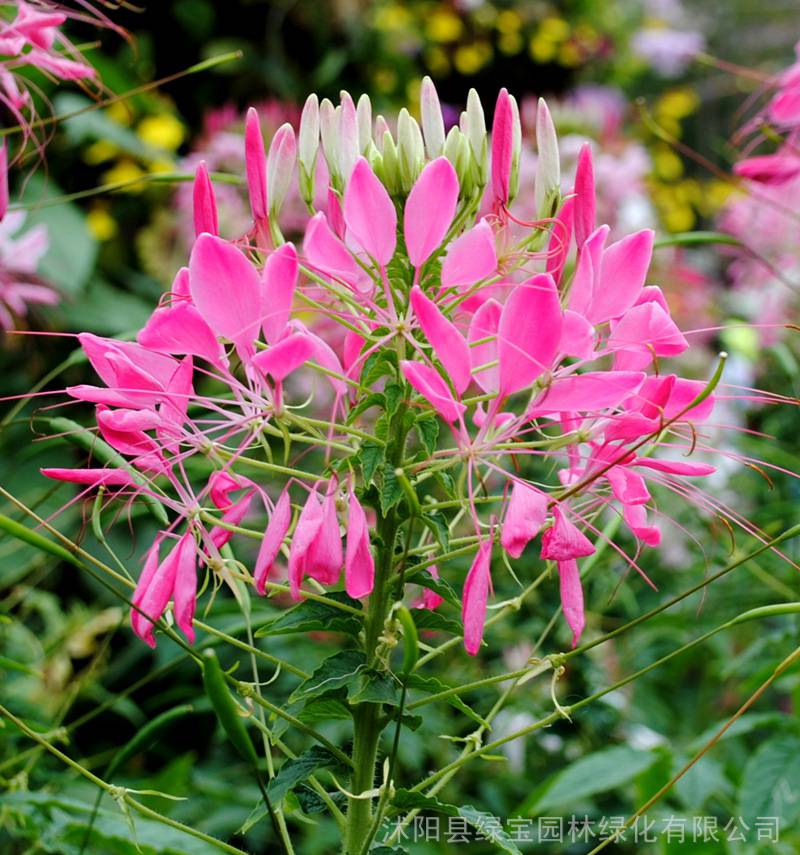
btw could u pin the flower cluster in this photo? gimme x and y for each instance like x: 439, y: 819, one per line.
x: 535, y: 348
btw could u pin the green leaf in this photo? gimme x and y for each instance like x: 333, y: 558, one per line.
x: 311, y: 802
x: 378, y: 365
x: 435, y: 620
x: 334, y: 673
x: 771, y: 782
x: 324, y: 709
x: 373, y: 687
x: 393, y: 393
x: 488, y: 826
x: 595, y: 773
x: 391, y: 491
x: 376, y: 399
x: 445, y: 480
x: 440, y: 586
x: 428, y: 431
x: 72, y: 251
x: 313, y: 616
x: 437, y: 523
x: 297, y: 770
x: 370, y: 456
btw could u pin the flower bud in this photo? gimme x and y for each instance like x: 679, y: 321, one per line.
x: 391, y: 165
x: 255, y: 165
x: 308, y: 146
x: 381, y: 128
x: 280, y: 167
x: 516, y: 150
x: 432, y: 121
x: 329, y: 132
x: 204, y: 204
x: 347, y: 143
x: 457, y: 150
x: 364, y: 122
x: 410, y: 149
x: 548, y: 169
x: 474, y: 127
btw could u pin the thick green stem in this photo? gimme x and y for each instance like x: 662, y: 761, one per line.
x: 367, y: 725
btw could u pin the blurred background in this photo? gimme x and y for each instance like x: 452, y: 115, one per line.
x: 661, y: 89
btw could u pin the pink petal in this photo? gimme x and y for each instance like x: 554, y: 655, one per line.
x: 587, y: 271
x: 502, y: 146
x: 279, y: 279
x: 569, y: 581
x: 558, y: 246
x: 470, y: 258
x: 447, y: 342
x: 255, y: 165
x: 430, y: 208
x: 185, y: 592
x: 156, y: 596
x: 622, y: 275
x: 529, y: 333
x: 588, y: 393
x: 675, y: 467
x: 306, y: 530
x: 325, y: 252
x: 563, y: 540
x: 93, y: 477
x: 429, y: 383
x: 628, y: 487
x: 369, y: 213
x: 525, y: 515
x: 635, y: 517
x: 139, y: 623
x: 180, y: 329
x: 226, y: 290
x: 359, y: 573
x: 577, y: 336
x: 643, y: 332
x: 584, y: 196
x: 272, y: 541
x: 475, y: 596
x: 324, y: 557
x: 283, y: 358
x: 204, y: 203
x: 484, y: 324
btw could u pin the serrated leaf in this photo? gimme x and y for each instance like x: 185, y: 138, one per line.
x: 324, y: 709
x: 771, y: 782
x: 437, y: 523
x: 378, y: 365
x: 333, y: 673
x: 313, y: 616
x: 297, y: 770
x: 391, y: 491
x: 489, y: 827
x: 375, y: 399
x: 311, y: 802
x: 393, y: 393
x: 445, y: 480
x: 428, y: 432
x: 373, y: 687
x: 371, y: 457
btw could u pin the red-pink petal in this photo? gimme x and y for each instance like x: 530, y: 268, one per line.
x: 203, y: 202
x: 569, y: 580
x: 470, y: 258
x: 279, y: 279
x: 447, y: 342
x: 283, y: 358
x: 475, y: 596
x: 430, y: 208
x: 359, y: 573
x: 429, y: 383
x: 369, y: 213
x: 272, y: 541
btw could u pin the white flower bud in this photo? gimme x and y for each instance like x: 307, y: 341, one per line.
x: 432, y: 121
x: 548, y: 168
x: 364, y: 121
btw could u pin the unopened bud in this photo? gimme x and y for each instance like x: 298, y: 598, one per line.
x: 329, y: 132
x: 457, y: 151
x: 280, y: 167
x: 548, y: 168
x: 432, y: 121
x: 516, y: 150
x: 410, y: 149
x: 347, y: 142
x: 391, y: 165
x: 204, y: 204
x: 381, y: 128
x: 364, y: 121
x: 474, y: 127
x: 255, y: 165
x: 307, y: 147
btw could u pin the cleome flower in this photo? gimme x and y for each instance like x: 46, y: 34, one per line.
x: 537, y: 350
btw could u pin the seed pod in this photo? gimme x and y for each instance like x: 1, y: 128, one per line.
x: 226, y: 708
x: 410, y: 640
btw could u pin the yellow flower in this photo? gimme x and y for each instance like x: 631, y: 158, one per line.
x: 100, y: 151
x: 508, y: 22
x: 391, y: 18
x: 678, y: 103
x: 469, y: 59
x: 554, y: 29
x: 681, y: 218
x: 542, y: 49
x: 123, y: 171
x: 510, y: 43
x: 667, y: 164
x: 385, y: 79
x: 162, y: 131
x: 437, y: 61
x: 120, y: 113
x: 569, y: 55
x: 101, y: 224
x: 443, y: 26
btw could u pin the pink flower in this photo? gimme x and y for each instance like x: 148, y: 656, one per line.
x: 476, y: 593
x: 359, y: 570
